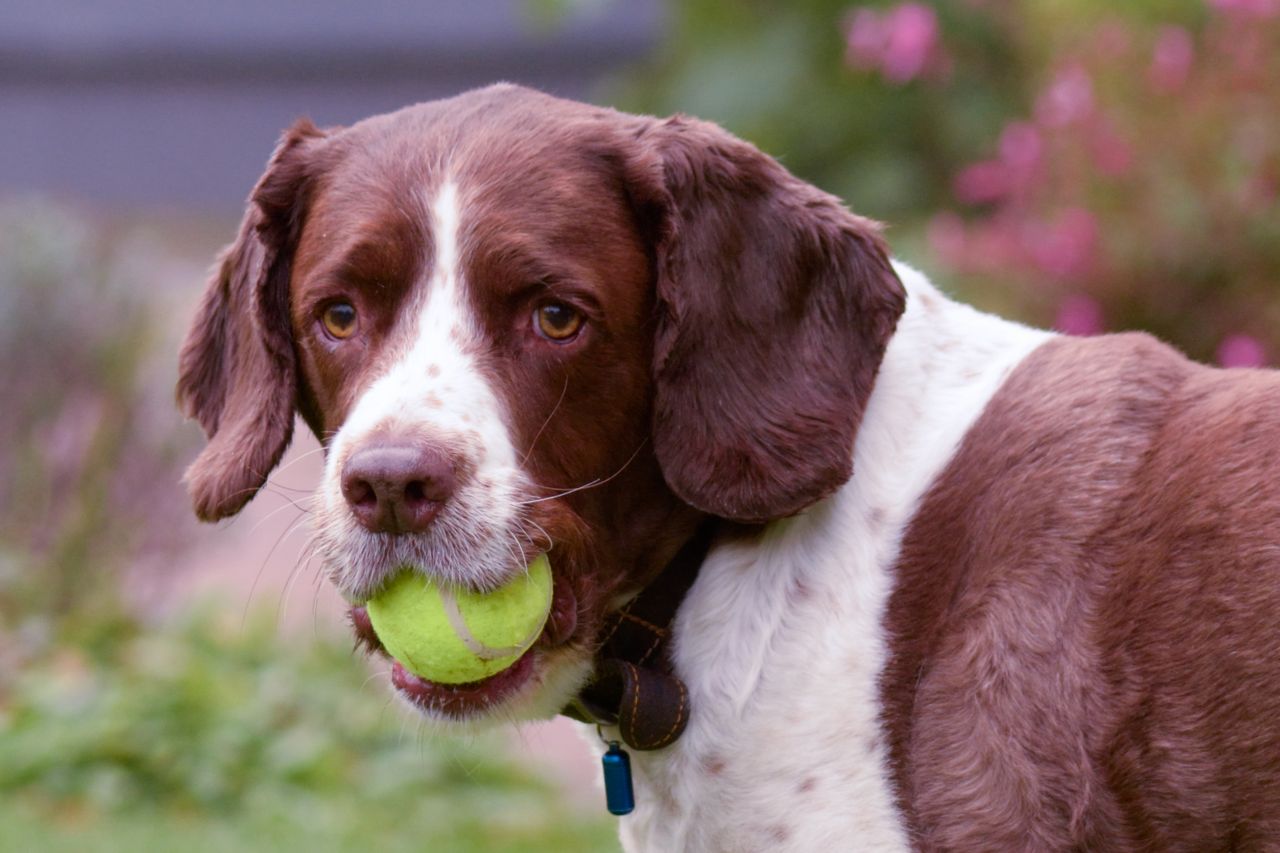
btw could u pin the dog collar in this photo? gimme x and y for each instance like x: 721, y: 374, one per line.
x: 634, y: 687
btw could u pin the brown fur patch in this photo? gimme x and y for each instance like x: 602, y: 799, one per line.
x: 1082, y: 635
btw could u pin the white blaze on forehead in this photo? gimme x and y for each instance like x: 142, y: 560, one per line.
x: 433, y: 391
x: 436, y: 381
x: 444, y: 221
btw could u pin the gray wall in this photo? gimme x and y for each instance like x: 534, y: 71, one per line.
x: 147, y: 104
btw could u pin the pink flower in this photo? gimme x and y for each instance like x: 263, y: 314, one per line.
x: 1241, y: 351
x: 1020, y: 145
x: 982, y: 182
x: 912, y: 39
x: 1079, y: 315
x: 1247, y: 8
x: 864, y: 39
x: 1066, y: 248
x: 1067, y: 99
x: 1020, y: 152
x: 901, y: 43
x: 1171, y: 59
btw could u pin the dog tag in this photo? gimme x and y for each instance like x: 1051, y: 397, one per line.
x: 618, y: 793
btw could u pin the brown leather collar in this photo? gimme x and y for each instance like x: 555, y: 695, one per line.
x: 634, y: 687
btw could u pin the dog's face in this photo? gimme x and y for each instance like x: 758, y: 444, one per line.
x: 519, y: 324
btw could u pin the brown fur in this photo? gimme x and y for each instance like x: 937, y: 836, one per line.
x: 736, y: 316
x: 237, y: 371
x: 775, y: 306
x: 1084, y: 652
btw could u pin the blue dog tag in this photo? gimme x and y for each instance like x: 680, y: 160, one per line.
x: 619, y: 796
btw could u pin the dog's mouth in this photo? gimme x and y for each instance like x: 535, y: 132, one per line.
x: 459, y: 702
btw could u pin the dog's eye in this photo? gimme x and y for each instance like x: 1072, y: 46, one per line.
x: 557, y: 321
x: 340, y: 320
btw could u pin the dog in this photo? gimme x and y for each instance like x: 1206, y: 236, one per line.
x: 973, y: 586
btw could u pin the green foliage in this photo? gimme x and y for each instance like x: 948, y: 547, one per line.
x: 214, y: 736
x: 773, y: 71
x: 1079, y: 162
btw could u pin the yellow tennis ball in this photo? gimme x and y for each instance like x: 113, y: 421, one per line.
x: 453, y: 636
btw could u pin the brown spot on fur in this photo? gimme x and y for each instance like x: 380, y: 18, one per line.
x: 806, y: 785
x: 713, y: 765
x: 779, y: 833
x: 1082, y: 649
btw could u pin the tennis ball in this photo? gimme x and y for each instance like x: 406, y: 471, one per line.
x: 453, y: 636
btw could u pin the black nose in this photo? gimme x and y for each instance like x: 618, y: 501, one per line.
x: 397, y: 488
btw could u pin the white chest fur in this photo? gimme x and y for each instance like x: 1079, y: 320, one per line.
x: 780, y: 641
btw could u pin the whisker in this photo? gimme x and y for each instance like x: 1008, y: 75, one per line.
x: 251, y: 490
x: 312, y: 452
x: 274, y: 485
x: 588, y: 485
x: 282, y: 607
x: 315, y: 601
x: 301, y: 509
x: 546, y: 537
x: 517, y: 554
x: 253, y: 587
x: 554, y: 409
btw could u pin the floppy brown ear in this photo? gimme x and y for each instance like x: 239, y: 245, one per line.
x: 775, y: 306
x: 236, y: 373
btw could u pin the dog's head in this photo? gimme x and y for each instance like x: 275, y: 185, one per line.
x: 519, y: 324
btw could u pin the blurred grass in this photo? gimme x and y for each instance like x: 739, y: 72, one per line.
x: 207, y: 735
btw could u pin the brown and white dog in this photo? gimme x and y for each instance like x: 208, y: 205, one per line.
x: 986, y: 588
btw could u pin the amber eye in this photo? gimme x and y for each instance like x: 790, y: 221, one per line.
x: 340, y: 320
x: 557, y: 321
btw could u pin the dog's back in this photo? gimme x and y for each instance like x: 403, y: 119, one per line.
x: 1083, y: 627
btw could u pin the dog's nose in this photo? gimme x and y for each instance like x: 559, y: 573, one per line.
x: 397, y: 488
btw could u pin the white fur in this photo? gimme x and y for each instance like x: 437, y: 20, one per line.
x: 436, y: 391
x: 781, y: 641
x: 433, y: 391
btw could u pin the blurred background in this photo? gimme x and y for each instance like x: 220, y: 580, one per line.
x: 1081, y: 164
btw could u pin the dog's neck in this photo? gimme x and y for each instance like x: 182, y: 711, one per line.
x: 781, y: 641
